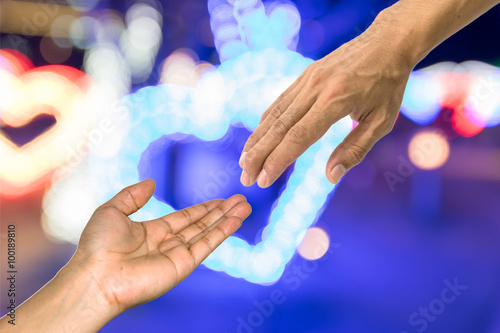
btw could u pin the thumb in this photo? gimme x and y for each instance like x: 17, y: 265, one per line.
x: 132, y: 198
x: 353, y: 149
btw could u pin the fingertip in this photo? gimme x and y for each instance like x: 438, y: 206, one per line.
x: 231, y: 202
x: 150, y: 182
x: 133, y: 197
x: 263, y: 179
x: 335, y: 174
x: 240, y: 196
x: 212, y: 203
x: 242, y: 159
x: 241, y: 210
x: 146, y: 186
x: 248, y: 209
x: 245, y: 179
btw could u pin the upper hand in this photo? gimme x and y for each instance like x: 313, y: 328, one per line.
x: 364, y: 79
x: 137, y: 262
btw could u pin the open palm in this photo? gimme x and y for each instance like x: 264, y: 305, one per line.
x: 135, y: 262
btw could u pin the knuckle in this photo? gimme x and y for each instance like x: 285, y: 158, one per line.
x: 324, y: 103
x: 279, y: 128
x: 274, y: 163
x: 252, y: 157
x: 277, y: 111
x: 315, y: 77
x: 298, y: 134
x: 339, y: 87
x: 329, y: 95
x: 264, y: 116
x: 252, y: 140
x: 355, y: 153
x: 343, y: 78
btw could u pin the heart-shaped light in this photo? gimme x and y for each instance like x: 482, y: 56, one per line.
x: 238, y: 92
x: 56, y: 90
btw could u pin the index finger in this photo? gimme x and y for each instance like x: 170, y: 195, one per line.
x: 279, y: 106
x: 181, y: 219
x: 298, y: 139
x: 208, y: 240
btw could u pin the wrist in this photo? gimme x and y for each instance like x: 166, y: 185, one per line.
x: 84, y: 305
x: 405, y: 38
x: 71, y: 302
x: 86, y: 278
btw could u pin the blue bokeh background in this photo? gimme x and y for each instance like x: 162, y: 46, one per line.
x: 393, y: 250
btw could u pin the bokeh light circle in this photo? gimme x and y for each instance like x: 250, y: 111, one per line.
x: 422, y: 98
x: 482, y: 106
x: 428, y: 150
x: 315, y: 243
x: 52, y: 51
x: 82, y: 31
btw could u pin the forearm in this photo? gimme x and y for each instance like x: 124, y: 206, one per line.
x: 416, y: 27
x: 70, y: 302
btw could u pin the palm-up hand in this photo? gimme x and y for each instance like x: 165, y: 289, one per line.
x: 137, y: 262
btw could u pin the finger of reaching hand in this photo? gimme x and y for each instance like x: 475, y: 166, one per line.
x: 282, y: 96
x: 355, y: 147
x: 208, y: 240
x: 183, y: 218
x: 132, y: 198
x: 302, y: 135
x: 203, y: 222
x: 272, y: 113
x: 257, y: 155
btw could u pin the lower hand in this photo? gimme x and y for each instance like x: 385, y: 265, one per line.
x: 120, y: 263
x: 137, y: 262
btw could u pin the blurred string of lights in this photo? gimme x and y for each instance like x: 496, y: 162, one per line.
x: 297, y: 208
x: 256, y: 43
x: 237, y: 92
x: 240, y: 26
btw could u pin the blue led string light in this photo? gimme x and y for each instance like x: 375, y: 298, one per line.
x: 167, y: 109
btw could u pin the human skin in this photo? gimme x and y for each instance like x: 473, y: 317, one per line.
x: 364, y: 79
x: 120, y: 263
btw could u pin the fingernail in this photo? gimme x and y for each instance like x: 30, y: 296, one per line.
x: 262, y: 179
x: 244, y: 179
x: 337, y: 173
x: 242, y: 159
